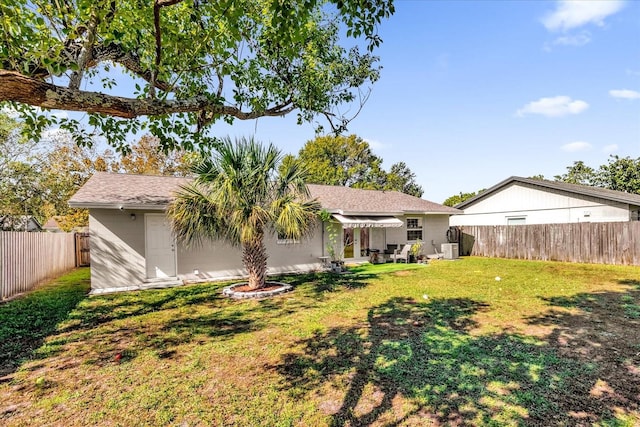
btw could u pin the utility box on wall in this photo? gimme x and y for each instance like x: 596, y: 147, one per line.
x: 449, y: 250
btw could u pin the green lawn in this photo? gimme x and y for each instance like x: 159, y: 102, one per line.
x: 388, y: 345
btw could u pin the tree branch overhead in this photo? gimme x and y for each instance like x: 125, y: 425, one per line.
x: 196, y: 62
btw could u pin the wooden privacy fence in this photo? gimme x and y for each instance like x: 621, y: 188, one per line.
x: 27, y: 259
x: 599, y: 243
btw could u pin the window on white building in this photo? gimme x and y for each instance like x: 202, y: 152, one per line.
x: 414, y: 229
x: 282, y: 240
x: 516, y: 220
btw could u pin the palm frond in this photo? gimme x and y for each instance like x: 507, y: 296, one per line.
x: 238, y: 194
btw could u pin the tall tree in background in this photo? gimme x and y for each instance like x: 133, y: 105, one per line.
x: 240, y: 194
x: 342, y: 160
x: 459, y: 198
x: 14, y: 146
x: 578, y: 173
x: 19, y: 171
x: 620, y: 173
x: 400, y: 178
x: 191, y: 63
x: 349, y: 161
x: 65, y: 168
x: 147, y: 158
x: 41, y: 183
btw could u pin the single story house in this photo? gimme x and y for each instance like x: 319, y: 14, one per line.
x: 132, y: 246
x: 518, y: 200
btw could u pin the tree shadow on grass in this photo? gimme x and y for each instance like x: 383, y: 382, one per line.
x: 602, y: 331
x: 127, y: 324
x: 107, y: 308
x: 25, y: 322
x: 322, y: 283
x: 124, y: 325
x: 412, y: 362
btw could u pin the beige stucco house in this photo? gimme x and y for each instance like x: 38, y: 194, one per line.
x: 518, y: 200
x: 132, y: 246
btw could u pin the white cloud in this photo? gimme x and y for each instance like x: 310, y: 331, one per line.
x: 557, y: 106
x: 574, y: 40
x: 572, y: 147
x: 375, y: 145
x: 571, y: 14
x: 610, y: 148
x: 625, y: 94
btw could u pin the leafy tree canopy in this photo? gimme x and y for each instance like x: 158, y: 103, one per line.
x: 400, y: 178
x: 578, y: 173
x: 619, y: 173
x: 459, y: 198
x: 191, y: 62
x: 349, y: 161
x: 341, y: 160
x: 40, y: 183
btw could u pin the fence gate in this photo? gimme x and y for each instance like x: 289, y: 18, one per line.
x: 83, y: 257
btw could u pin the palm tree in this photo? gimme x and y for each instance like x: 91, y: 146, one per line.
x: 238, y: 195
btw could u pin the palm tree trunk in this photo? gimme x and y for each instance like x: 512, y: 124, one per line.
x: 254, y: 257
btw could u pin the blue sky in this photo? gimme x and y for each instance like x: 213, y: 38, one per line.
x: 473, y: 92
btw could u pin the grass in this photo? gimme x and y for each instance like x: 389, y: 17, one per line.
x: 443, y: 344
x: 27, y: 321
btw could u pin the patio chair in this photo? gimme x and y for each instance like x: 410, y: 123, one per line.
x: 402, y: 255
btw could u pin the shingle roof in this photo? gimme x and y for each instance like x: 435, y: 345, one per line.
x: 111, y: 190
x: 354, y: 201
x: 130, y: 191
x: 581, y: 190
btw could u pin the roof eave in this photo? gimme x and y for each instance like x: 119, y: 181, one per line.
x: 119, y: 206
x: 545, y: 184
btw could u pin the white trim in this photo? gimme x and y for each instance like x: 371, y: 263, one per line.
x: 368, y: 221
x: 119, y: 206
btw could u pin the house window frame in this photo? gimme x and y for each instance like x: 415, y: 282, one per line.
x: 280, y: 240
x: 517, y: 218
x: 418, y: 228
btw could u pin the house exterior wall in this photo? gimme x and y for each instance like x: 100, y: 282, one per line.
x: 539, y: 206
x: 117, y: 250
x: 119, y: 263
x: 219, y: 260
x: 118, y: 254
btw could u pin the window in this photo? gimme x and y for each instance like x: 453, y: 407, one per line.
x: 413, y: 223
x: 414, y: 229
x: 283, y: 240
x: 516, y: 220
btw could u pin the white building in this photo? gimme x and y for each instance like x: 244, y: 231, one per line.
x: 519, y: 200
